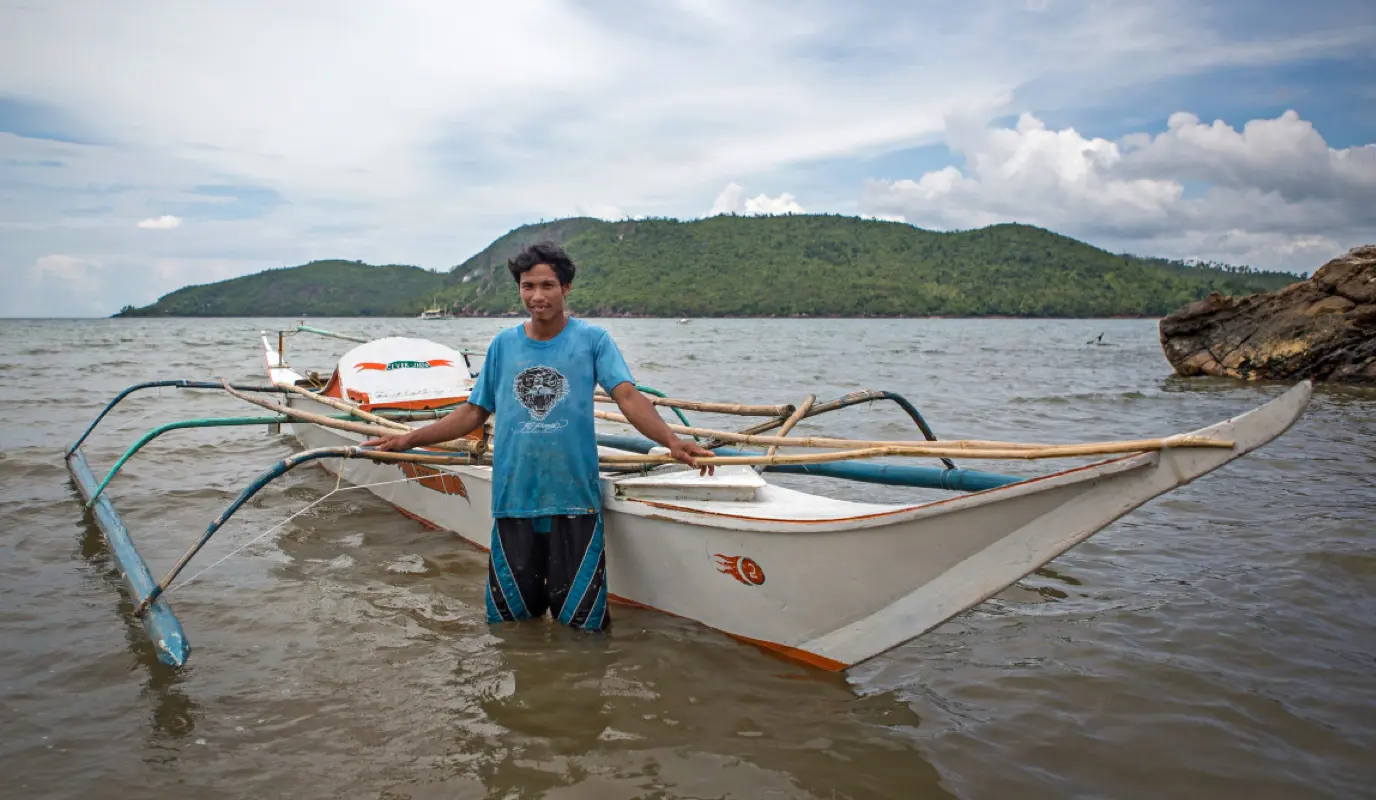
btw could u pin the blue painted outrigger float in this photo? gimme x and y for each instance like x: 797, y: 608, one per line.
x: 164, y: 629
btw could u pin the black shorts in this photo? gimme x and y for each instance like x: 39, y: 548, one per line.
x: 556, y: 563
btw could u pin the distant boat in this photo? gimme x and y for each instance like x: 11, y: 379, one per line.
x: 684, y: 321
x: 437, y: 310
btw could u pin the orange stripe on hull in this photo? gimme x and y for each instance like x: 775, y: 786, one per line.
x: 418, y: 518
x: 821, y: 662
x: 811, y: 659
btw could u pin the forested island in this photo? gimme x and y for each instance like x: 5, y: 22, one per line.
x: 791, y: 265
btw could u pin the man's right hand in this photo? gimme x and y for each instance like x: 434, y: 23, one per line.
x: 453, y: 426
x: 388, y: 444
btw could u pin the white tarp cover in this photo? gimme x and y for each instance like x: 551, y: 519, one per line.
x: 401, y: 372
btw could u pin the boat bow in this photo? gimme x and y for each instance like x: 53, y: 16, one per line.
x: 1105, y: 493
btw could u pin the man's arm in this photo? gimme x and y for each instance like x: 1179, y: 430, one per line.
x: 447, y: 428
x: 643, y: 416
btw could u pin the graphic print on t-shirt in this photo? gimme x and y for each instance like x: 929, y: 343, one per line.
x: 540, y: 389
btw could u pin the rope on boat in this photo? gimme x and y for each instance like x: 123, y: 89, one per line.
x: 280, y: 468
x: 339, y: 477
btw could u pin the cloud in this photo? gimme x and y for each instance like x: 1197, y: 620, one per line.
x: 1285, y: 155
x: 76, y: 273
x: 414, y: 134
x: 165, y: 222
x: 1272, y: 194
x: 732, y: 200
x: 603, y: 211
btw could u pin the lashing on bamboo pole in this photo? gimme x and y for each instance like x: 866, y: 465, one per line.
x: 788, y: 426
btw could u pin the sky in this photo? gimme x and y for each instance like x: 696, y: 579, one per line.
x: 145, y: 146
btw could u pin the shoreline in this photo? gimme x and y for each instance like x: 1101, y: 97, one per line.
x: 512, y: 315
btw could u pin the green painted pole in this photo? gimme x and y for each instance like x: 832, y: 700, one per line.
x: 677, y: 412
x: 322, y: 332
x: 226, y: 422
x: 207, y: 422
x: 276, y: 419
x: 304, y: 328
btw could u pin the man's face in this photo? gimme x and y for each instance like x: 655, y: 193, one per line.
x: 542, y: 293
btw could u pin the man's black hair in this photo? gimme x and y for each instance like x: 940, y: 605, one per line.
x: 543, y: 253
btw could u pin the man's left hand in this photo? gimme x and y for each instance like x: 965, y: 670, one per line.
x: 688, y: 452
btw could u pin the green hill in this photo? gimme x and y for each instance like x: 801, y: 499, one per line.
x: 319, y: 289
x: 814, y: 265
x: 823, y: 265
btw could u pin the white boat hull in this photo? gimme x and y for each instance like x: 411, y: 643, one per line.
x: 830, y: 582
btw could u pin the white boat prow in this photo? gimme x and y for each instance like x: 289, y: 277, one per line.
x: 1086, y: 501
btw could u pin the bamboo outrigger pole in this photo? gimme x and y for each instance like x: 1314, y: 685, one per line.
x: 459, y: 445
x: 1053, y: 451
x: 954, y: 447
x: 969, y: 448
x: 739, y: 409
x: 793, y: 419
x: 348, y: 408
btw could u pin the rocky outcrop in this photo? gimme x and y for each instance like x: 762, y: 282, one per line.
x: 1322, y: 329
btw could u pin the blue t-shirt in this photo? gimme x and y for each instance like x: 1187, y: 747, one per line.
x: 540, y: 395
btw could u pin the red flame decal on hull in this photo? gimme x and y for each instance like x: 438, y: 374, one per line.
x: 742, y: 569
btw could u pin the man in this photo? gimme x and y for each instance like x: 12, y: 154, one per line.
x: 538, y: 378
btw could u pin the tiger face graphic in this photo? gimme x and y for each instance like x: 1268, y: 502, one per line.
x: 540, y: 389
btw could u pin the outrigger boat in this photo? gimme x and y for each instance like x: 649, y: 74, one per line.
x: 827, y: 581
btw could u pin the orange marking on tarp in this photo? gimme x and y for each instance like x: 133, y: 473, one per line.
x: 377, y: 365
